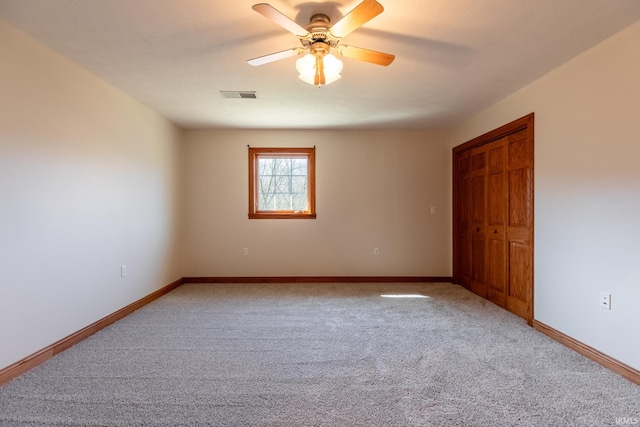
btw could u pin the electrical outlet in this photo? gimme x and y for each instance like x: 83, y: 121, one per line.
x: 605, y: 300
x: 376, y: 251
x: 433, y: 210
x: 245, y: 251
x: 123, y: 270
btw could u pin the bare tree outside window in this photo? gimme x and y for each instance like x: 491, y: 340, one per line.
x: 282, y: 184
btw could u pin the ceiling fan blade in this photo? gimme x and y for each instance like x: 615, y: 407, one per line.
x: 366, y: 55
x: 260, y: 60
x: 353, y: 20
x: 280, y: 19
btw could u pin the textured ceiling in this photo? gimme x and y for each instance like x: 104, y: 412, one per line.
x: 453, y: 57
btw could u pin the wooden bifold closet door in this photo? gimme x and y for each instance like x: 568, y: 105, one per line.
x: 493, y: 216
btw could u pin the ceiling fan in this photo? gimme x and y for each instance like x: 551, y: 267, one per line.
x: 319, y: 37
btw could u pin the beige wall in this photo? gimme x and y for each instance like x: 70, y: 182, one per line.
x: 374, y: 189
x: 587, y: 192
x: 88, y: 181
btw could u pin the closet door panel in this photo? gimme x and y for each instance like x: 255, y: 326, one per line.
x: 520, y: 278
x: 478, y: 220
x: 496, y: 271
x: 478, y: 284
x: 520, y: 209
x: 464, y: 236
x: 462, y: 218
x: 520, y: 224
x: 495, y: 226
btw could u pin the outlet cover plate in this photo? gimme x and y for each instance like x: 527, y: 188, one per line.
x: 605, y: 300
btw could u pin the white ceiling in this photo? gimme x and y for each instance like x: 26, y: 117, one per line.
x: 453, y: 57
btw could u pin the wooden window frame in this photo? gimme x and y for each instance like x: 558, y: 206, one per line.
x: 254, y: 154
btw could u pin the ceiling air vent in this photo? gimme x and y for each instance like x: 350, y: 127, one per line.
x: 246, y: 94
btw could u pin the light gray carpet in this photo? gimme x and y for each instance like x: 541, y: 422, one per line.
x: 318, y: 355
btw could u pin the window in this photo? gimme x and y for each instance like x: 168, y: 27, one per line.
x: 282, y: 183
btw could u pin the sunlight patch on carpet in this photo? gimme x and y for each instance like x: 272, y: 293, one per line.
x: 404, y: 296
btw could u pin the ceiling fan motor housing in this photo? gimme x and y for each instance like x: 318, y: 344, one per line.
x: 318, y: 29
x: 319, y: 48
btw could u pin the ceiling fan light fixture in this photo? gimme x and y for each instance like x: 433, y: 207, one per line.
x: 306, y: 67
x: 320, y: 37
x: 332, y: 65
